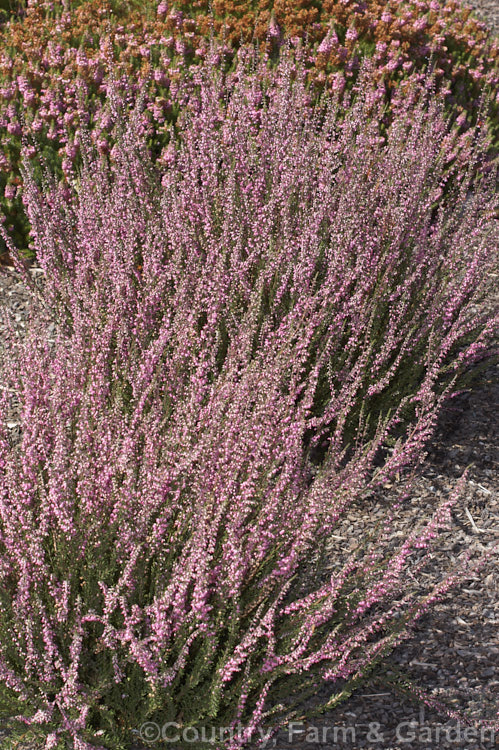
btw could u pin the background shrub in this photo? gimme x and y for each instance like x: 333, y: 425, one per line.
x: 57, y: 52
x: 282, y: 281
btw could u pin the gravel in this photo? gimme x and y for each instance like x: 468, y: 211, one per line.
x: 453, y: 653
x: 487, y: 11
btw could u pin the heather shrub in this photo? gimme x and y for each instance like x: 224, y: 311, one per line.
x: 9, y: 8
x: 56, y: 53
x: 202, y: 328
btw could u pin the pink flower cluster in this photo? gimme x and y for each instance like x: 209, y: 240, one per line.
x: 56, y: 63
x: 282, y: 282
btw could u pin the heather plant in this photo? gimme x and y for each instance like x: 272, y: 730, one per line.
x: 58, y: 51
x: 202, y: 328
x: 10, y: 8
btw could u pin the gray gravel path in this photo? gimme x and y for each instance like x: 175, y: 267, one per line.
x: 487, y: 11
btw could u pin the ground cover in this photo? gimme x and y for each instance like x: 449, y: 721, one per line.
x: 215, y: 384
x: 57, y: 55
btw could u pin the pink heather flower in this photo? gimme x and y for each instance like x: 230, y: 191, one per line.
x: 23, y: 84
x: 10, y: 192
x: 14, y: 128
x: 180, y: 47
x: 420, y: 24
x: 98, y: 75
x: 168, y: 155
x: 177, y: 17
x: 37, y: 124
x: 352, y: 34
x: 106, y: 122
x: 215, y: 58
x: 82, y: 60
x: 393, y: 64
x: 162, y: 9
x: 157, y: 113
x: 29, y: 98
x: 338, y: 82
x: 7, y: 92
x: 160, y: 77
x: 102, y: 146
x: 386, y: 17
x: 274, y: 29
x: 329, y: 43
